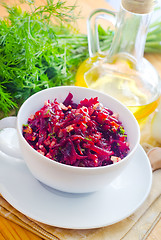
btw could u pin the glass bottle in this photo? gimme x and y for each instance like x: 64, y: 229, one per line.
x: 122, y: 71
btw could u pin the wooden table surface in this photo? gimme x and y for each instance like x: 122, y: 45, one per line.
x: 12, y: 231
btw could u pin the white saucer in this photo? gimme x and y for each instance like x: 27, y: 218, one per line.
x: 76, y: 211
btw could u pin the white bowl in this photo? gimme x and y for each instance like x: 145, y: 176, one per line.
x: 70, y: 178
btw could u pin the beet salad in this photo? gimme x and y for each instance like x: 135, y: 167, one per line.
x: 86, y: 134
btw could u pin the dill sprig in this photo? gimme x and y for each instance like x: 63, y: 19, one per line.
x: 32, y: 57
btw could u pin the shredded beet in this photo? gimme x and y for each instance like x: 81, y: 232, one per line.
x: 85, y: 134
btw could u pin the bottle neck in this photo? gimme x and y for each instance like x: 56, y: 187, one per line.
x: 130, y: 35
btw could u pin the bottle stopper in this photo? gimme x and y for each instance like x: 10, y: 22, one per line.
x: 138, y: 6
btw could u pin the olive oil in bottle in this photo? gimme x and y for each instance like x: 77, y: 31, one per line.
x: 126, y: 87
x: 122, y: 72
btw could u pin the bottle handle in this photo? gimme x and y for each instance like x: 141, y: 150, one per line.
x: 92, y: 28
x: 8, y: 139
